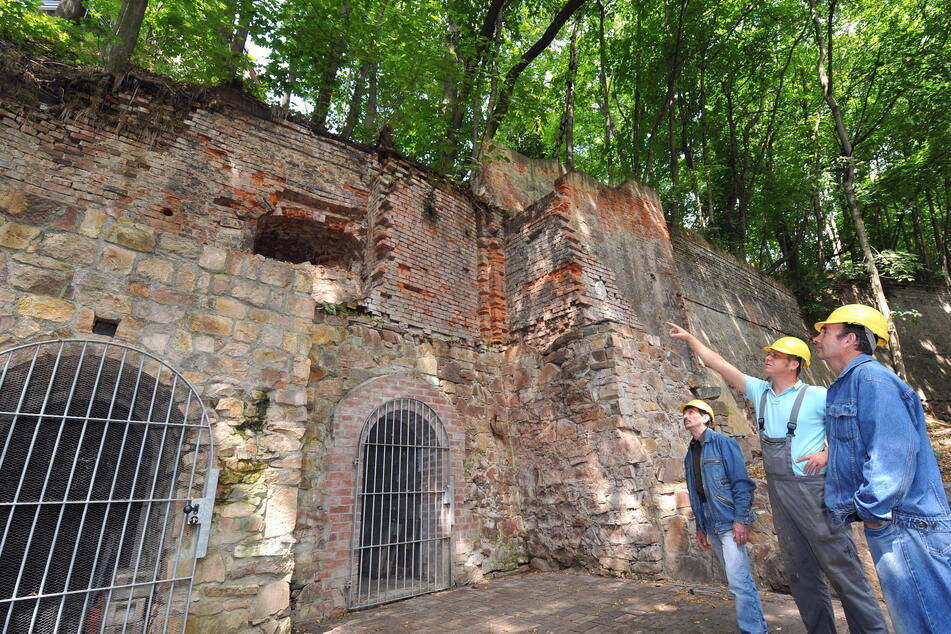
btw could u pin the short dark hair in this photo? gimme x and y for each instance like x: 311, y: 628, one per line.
x: 861, y: 339
x: 800, y: 366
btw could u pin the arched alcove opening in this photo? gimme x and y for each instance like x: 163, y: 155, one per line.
x: 335, y: 254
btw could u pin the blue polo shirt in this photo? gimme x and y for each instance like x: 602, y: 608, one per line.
x: 810, y: 425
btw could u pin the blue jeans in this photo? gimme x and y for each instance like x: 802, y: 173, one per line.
x: 736, y: 563
x: 913, y: 561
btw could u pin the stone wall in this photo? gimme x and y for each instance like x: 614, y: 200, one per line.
x: 359, y: 363
x: 209, y: 233
x: 298, y: 282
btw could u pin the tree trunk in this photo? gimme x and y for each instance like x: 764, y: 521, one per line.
x: 239, y: 39
x: 356, y: 101
x: 508, y: 85
x: 848, y: 179
x: 325, y: 94
x: 920, y: 241
x: 610, y: 131
x: 288, y: 92
x: 370, y: 118
x: 72, y: 10
x: 126, y: 32
x: 566, y: 129
x: 940, y: 240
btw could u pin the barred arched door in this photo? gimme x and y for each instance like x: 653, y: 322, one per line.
x: 105, y: 456
x: 403, y: 507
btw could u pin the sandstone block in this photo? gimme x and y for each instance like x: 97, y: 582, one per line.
x: 281, y: 514
x: 230, y: 308
x: 271, y: 599
x: 105, y: 302
x: 116, y: 260
x: 325, y: 335
x: 213, y: 259
x: 12, y: 201
x: 269, y: 548
x: 246, y: 331
x: 158, y: 269
x: 179, y: 246
x: 264, y: 316
x: 41, y: 261
x: 301, y: 306
x: 38, y: 281
x: 13, y: 235
x: 156, y: 342
x: 69, y: 247
x: 44, y: 307
x: 276, y: 274
x: 92, y: 223
x: 251, y: 292
x: 210, y: 569
x: 132, y: 236
x: 211, y: 324
x: 290, y: 396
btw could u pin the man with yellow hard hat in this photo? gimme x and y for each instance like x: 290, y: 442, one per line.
x: 883, y: 472
x: 792, y: 428
x: 721, y: 497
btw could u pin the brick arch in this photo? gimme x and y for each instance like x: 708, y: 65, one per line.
x: 349, y: 419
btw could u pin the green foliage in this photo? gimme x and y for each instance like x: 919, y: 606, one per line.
x: 899, y: 266
x: 22, y: 22
x: 717, y: 106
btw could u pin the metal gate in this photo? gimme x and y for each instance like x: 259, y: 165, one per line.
x: 402, y: 518
x: 105, y: 456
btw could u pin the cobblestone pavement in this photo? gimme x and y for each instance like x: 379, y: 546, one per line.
x: 555, y: 602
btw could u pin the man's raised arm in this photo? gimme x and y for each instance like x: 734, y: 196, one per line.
x: 710, y: 358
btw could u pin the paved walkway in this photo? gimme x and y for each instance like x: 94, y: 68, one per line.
x: 555, y: 602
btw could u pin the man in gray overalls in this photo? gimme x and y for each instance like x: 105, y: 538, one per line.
x: 791, y: 422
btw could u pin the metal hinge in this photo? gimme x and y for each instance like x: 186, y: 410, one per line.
x: 200, y: 513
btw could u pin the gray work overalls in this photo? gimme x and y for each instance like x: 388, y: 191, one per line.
x: 810, y: 543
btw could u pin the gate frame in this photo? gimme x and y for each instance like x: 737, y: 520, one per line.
x: 200, y: 514
x: 332, y: 561
x: 360, y: 484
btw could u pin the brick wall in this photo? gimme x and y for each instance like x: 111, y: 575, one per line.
x: 358, y: 364
x: 147, y: 213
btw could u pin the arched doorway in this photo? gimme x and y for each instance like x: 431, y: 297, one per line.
x: 106, y: 489
x: 403, y: 505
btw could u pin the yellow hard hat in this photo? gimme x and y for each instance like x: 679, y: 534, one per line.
x: 793, y: 346
x: 701, y: 405
x: 860, y: 315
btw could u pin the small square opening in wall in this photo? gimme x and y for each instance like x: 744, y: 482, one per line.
x: 107, y: 327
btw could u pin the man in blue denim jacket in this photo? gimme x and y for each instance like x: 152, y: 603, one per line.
x: 882, y: 471
x: 721, y: 496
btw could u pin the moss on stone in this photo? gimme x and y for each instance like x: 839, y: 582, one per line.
x: 257, y: 419
x: 242, y: 471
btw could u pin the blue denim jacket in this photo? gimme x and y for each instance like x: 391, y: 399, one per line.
x: 880, y: 459
x: 728, y: 487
